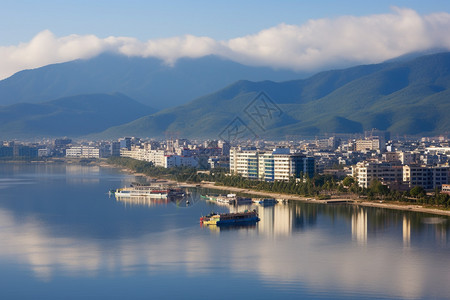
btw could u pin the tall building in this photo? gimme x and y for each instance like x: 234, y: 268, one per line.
x: 125, y: 143
x: 279, y: 164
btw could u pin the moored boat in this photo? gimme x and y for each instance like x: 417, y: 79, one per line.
x: 142, y: 190
x: 266, y: 201
x: 246, y: 217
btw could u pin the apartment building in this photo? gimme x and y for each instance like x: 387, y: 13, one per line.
x: 392, y: 173
x: 426, y: 177
x: 279, y: 164
x: 83, y: 152
x: 386, y: 172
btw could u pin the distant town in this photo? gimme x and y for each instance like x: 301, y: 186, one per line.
x: 398, y: 164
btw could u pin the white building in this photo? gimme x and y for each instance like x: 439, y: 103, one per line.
x: 394, y: 173
x: 159, y: 157
x: 83, y: 152
x: 279, y: 164
x: 386, y: 172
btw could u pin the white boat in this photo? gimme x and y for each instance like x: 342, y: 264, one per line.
x: 147, y: 191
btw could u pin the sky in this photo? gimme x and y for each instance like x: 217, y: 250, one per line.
x: 298, y: 35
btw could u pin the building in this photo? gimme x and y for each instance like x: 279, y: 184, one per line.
x: 446, y: 188
x: 368, y: 145
x: 83, y: 152
x: 180, y: 161
x: 6, y: 151
x: 44, y: 152
x: 387, y: 173
x: 279, y: 164
x: 244, y: 161
x: 125, y: 143
x: 426, y: 176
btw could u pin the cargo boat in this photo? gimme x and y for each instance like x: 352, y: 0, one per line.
x: 240, y: 218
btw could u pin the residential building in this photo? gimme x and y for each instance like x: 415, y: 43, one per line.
x: 426, y: 176
x: 83, y: 152
x: 279, y: 164
x: 386, y: 172
x: 446, y: 188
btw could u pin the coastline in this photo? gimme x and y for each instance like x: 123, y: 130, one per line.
x: 211, y: 185
x: 406, y: 207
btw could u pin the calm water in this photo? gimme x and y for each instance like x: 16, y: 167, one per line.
x: 62, y: 237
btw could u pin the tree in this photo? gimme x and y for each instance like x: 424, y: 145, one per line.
x: 417, y: 191
x: 348, y: 181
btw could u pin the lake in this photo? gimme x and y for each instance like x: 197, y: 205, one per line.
x: 63, y: 237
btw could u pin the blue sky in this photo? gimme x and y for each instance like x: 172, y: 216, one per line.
x: 300, y: 35
x: 21, y: 20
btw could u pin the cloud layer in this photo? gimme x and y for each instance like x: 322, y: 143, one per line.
x: 315, y: 45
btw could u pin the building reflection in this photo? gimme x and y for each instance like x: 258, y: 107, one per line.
x: 359, y: 226
x: 406, y: 231
x: 77, y: 174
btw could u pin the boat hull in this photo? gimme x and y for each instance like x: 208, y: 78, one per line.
x: 230, y: 219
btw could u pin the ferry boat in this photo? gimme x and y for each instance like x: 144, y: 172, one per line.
x: 246, y: 217
x: 142, y: 190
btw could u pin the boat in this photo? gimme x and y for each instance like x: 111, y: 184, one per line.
x: 240, y: 218
x: 144, y: 190
x: 266, y: 201
x: 243, y: 201
x: 228, y: 199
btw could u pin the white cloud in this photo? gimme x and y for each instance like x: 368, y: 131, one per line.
x: 317, y: 44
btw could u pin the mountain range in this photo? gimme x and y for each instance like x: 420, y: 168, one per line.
x: 147, y: 80
x: 407, y: 96
x: 69, y: 116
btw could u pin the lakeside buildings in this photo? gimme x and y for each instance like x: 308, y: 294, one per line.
x: 399, y: 164
x: 278, y: 164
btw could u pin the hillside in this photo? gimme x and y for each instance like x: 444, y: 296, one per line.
x: 405, y: 97
x: 147, y: 80
x: 70, y: 116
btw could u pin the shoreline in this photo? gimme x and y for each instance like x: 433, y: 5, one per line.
x: 211, y: 185
x: 406, y: 207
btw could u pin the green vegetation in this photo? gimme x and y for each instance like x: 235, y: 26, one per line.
x: 181, y: 174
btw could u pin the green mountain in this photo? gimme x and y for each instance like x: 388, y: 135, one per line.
x: 147, y: 80
x: 70, y: 116
x: 404, y: 97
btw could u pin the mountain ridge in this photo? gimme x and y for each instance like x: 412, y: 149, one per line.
x: 147, y: 80
x: 69, y: 116
x: 405, y: 97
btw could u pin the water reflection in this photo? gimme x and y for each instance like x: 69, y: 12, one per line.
x: 143, y: 201
x: 359, y: 226
x: 406, y: 231
x: 78, y: 174
x: 294, y: 245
